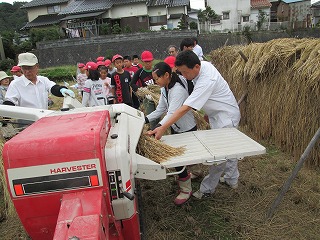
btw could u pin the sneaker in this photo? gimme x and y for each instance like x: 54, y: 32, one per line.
x: 223, y: 181
x: 200, y: 195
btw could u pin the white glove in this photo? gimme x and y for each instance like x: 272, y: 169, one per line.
x: 149, y: 97
x: 67, y: 92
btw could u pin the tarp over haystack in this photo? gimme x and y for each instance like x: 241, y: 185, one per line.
x: 282, y: 81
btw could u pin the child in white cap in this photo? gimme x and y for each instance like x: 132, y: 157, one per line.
x: 4, y: 84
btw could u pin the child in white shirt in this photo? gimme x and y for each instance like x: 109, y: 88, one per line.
x: 94, y: 91
x: 103, y: 71
x: 81, y: 77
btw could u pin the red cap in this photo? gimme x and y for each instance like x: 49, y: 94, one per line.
x: 117, y: 56
x: 15, y: 69
x: 100, y: 59
x: 100, y: 63
x: 81, y: 65
x: 91, y: 66
x: 146, y: 56
x: 107, y: 63
x: 170, y: 61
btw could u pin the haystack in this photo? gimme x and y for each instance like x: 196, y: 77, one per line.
x: 282, y: 81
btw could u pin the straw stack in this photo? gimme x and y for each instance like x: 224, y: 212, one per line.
x: 282, y: 81
x: 9, y: 208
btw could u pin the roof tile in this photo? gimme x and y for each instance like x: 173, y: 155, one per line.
x: 37, y: 3
x: 44, y: 20
x: 260, y: 3
x: 81, y: 6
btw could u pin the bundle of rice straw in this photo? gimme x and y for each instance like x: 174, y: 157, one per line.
x: 202, y: 124
x: 152, y: 90
x: 157, y: 150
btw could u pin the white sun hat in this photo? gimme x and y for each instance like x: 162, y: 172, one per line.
x: 27, y: 59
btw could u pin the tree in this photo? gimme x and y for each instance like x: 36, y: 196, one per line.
x: 7, y: 40
x: 183, y: 23
x: 207, y: 15
x: 12, y: 17
x: 262, y: 18
x: 193, y: 25
x: 44, y: 34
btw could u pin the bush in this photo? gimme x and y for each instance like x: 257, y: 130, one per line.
x: 116, y: 29
x: 59, y: 74
x: 193, y: 25
x: 44, y: 34
x: 6, y: 64
x: 105, y: 29
x: 127, y: 29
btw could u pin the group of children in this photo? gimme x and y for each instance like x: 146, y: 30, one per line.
x: 114, y: 81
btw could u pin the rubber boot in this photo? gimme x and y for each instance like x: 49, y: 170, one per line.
x: 185, y: 190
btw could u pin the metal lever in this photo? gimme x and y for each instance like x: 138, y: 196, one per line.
x: 127, y: 194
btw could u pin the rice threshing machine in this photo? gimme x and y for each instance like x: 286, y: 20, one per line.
x: 72, y: 173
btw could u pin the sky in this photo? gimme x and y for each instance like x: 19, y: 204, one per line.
x: 11, y: 1
x: 195, y: 4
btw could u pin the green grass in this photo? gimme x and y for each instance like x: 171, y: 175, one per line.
x: 59, y: 74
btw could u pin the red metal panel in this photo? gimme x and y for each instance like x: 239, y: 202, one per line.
x: 58, y: 139
x: 52, y: 140
x: 82, y: 214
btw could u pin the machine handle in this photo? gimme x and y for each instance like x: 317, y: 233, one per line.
x: 127, y: 194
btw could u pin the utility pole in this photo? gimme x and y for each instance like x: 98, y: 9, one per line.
x: 2, y: 55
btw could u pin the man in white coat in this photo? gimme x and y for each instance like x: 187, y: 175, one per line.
x: 31, y: 90
x: 212, y: 94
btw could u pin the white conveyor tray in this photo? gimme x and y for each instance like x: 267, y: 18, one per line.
x: 211, y: 146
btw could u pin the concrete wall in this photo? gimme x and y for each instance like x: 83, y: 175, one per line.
x: 33, y: 13
x: 71, y: 51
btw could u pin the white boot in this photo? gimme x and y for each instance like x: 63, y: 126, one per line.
x: 185, y: 190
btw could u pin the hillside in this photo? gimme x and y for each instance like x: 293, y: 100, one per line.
x: 12, y: 18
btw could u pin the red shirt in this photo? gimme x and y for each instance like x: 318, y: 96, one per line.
x: 131, y: 70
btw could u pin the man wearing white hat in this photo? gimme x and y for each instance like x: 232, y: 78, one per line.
x: 31, y: 90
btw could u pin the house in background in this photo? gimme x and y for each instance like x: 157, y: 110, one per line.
x: 315, y: 14
x: 167, y: 13
x: 237, y: 14
x: 274, y: 10
x: 85, y: 18
x: 296, y: 12
x: 232, y: 14
x: 262, y: 9
x: 42, y: 13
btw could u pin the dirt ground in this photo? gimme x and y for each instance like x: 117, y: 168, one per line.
x: 228, y: 214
